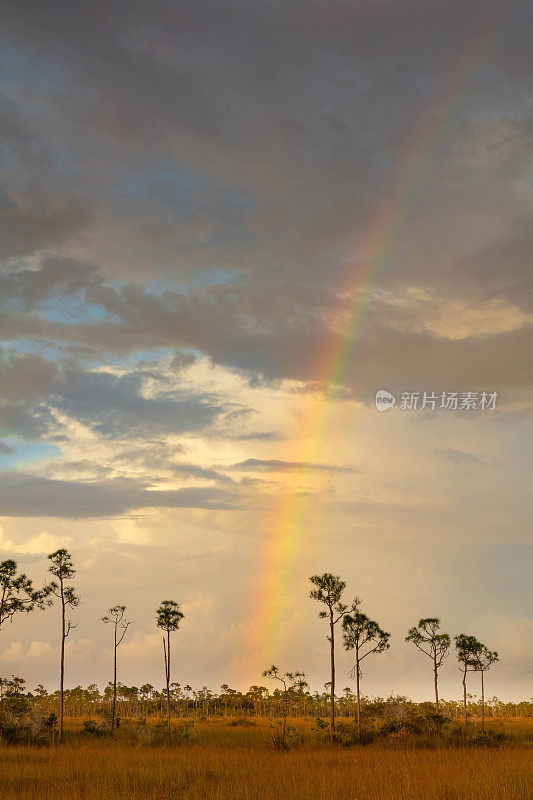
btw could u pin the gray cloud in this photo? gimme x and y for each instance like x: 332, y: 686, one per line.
x: 31, y: 496
x: 276, y: 465
x: 504, y: 264
x: 387, y: 350
x: 459, y: 457
x: 236, y: 327
x: 112, y: 405
x: 90, y: 469
x: 115, y: 406
x: 27, y: 421
x: 239, y: 160
x: 56, y: 278
x: 31, y: 221
x: 25, y: 376
x: 260, y: 142
x: 37, y: 208
x: 256, y: 436
x: 193, y: 471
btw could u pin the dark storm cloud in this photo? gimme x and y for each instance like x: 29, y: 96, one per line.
x: 295, y: 110
x: 36, y: 207
x: 237, y: 156
x: 28, y: 496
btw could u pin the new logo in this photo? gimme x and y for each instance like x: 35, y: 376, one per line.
x: 384, y: 400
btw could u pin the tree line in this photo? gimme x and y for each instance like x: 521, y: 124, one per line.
x: 361, y: 635
x: 258, y: 701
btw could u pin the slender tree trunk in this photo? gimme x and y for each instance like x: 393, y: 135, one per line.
x: 482, y: 702
x: 4, y: 592
x: 435, y: 677
x: 62, y: 665
x: 168, y: 685
x: 465, y: 706
x: 357, y: 677
x: 114, y: 716
x: 166, y: 647
x: 332, y: 688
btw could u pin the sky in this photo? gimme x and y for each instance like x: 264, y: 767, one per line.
x: 224, y: 227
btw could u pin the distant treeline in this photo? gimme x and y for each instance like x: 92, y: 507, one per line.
x: 146, y: 701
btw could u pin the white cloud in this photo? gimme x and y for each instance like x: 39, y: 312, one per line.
x: 42, y: 543
x: 15, y: 652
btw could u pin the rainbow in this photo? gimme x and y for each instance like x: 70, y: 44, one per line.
x: 374, y: 257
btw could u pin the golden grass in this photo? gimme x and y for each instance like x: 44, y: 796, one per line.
x: 236, y: 763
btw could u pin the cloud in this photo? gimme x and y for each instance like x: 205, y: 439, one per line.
x: 40, y: 651
x: 30, y: 222
x: 55, y: 278
x: 459, y: 457
x: 26, y: 376
x: 264, y: 145
x: 194, y: 471
x: 42, y: 543
x: 452, y: 318
x: 503, y: 264
x: 433, y: 341
x: 134, y: 403
x: 140, y: 644
x: 28, y: 496
x: 115, y: 405
x: 277, y: 465
x: 255, y: 436
x: 28, y: 421
x: 14, y: 652
x: 37, y: 210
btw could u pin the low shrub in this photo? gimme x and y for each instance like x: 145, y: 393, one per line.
x: 347, y: 735
x: 291, y: 738
x: 22, y: 724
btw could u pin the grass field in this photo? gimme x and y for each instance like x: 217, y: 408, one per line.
x: 224, y: 762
